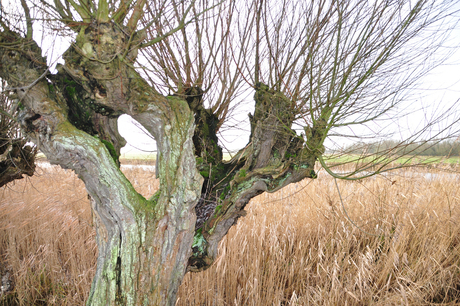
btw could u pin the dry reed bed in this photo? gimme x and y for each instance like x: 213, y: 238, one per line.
x: 294, y: 247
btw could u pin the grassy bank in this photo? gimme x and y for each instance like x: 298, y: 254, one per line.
x: 294, y: 247
x: 343, y: 159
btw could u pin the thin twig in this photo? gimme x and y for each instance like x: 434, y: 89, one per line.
x: 24, y: 88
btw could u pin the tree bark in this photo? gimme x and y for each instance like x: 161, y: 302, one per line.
x: 274, y: 157
x: 147, y: 245
x: 16, y: 159
x: 143, y: 243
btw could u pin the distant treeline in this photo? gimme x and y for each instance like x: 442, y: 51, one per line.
x: 431, y: 148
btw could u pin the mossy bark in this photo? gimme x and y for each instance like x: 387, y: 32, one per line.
x: 143, y: 244
x: 275, y: 157
x: 146, y: 245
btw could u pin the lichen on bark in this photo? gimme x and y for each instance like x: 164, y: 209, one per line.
x: 143, y: 245
x: 274, y: 157
x: 146, y: 246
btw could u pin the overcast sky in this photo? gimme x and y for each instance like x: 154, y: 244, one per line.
x: 439, y: 89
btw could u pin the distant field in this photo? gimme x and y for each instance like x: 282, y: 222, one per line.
x: 148, y: 157
x: 153, y: 156
x: 330, y: 159
x: 394, y: 240
x: 406, y: 160
x: 143, y: 156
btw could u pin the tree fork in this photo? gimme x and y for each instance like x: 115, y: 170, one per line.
x: 208, y: 153
x: 274, y: 158
x: 87, y: 115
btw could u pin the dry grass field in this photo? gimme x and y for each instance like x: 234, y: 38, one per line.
x: 393, y: 240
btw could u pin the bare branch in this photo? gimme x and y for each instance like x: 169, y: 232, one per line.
x: 28, y: 19
x: 137, y: 13
x: 102, y: 14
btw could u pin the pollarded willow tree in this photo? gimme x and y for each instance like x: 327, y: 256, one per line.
x: 180, y: 68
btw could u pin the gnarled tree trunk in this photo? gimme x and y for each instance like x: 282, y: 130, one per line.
x: 333, y: 66
x: 274, y: 157
x: 147, y: 245
x: 143, y: 243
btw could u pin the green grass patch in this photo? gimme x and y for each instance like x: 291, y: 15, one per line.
x: 404, y: 160
x: 139, y: 156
